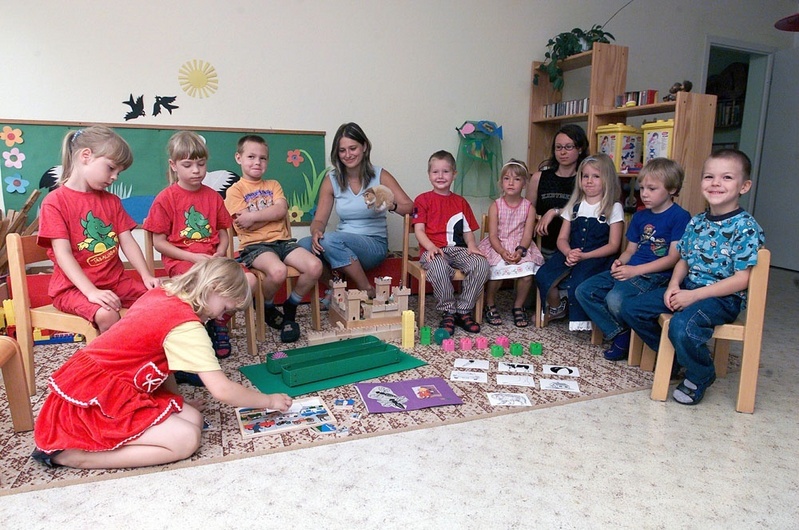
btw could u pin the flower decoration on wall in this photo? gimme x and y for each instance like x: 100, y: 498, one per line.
x: 11, y: 136
x: 295, y: 214
x: 198, y: 78
x: 14, y: 158
x: 16, y: 184
x: 295, y: 158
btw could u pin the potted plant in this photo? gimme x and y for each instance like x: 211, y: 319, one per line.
x: 567, y: 44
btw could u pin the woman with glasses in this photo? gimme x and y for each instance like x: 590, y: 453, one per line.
x: 552, y: 185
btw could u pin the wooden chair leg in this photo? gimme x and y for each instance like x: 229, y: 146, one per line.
x: 258, y: 300
x: 478, y: 308
x: 721, y: 357
x: 596, y: 335
x: 648, y: 357
x: 636, y: 348
x: 250, y: 329
x: 16, y: 386
x: 665, y: 360
x: 422, y: 282
x: 750, y: 365
x: 316, y: 313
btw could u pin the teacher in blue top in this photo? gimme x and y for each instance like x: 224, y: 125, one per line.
x: 361, y: 240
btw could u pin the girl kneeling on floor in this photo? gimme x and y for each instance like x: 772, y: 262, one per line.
x: 115, y: 402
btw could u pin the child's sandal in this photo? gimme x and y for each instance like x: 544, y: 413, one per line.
x: 467, y: 323
x: 520, y: 318
x: 220, y: 340
x: 491, y: 316
x: 448, y: 323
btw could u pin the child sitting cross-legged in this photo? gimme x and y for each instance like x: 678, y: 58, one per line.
x: 647, y: 261
x: 444, y: 226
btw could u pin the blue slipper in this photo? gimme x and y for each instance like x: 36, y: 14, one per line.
x: 290, y: 331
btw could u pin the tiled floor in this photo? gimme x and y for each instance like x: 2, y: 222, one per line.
x: 621, y: 462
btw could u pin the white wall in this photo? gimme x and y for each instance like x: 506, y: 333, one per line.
x: 408, y: 71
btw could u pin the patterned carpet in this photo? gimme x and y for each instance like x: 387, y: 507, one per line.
x: 223, y: 441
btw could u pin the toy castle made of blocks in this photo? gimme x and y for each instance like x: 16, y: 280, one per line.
x: 353, y: 308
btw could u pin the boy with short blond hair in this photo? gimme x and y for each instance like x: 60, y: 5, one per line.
x: 259, y: 208
x: 708, y: 285
x: 444, y: 225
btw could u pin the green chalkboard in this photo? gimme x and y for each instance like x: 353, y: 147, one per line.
x: 296, y: 160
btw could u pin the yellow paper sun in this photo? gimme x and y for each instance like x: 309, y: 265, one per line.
x: 198, y: 79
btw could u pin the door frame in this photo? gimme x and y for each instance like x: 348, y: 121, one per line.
x: 713, y: 41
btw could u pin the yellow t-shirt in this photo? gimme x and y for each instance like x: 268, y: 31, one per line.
x: 188, y: 349
x: 252, y: 196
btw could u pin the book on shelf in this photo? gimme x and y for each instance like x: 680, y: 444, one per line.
x: 566, y: 108
x: 303, y: 414
x: 637, y: 97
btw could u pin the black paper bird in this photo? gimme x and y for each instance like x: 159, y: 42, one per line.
x: 220, y: 180
x: 136, y: 107
x: 164, y: 102
x: 50, y: 178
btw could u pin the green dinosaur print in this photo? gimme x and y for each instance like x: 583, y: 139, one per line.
x: 99, y: 236
x: 197, y: 226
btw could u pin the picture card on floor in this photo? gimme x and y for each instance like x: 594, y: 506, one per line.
x: 553, y: 369
x: 407, y: 395
x: 508, y: 399
x: 564, y: 386
x: 304, y: 413
x: 515, y: 380
x: 520, y: 368
x: 477, y: 364
x: 468, y: 377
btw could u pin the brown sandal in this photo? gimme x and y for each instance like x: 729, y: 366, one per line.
x: 448, y: 323
x: 492, y: 316
x: 467, y: 323
x: 520, y: 317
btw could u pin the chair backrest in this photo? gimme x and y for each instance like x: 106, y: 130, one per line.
x: 756, y: 292
x: 22, y: 251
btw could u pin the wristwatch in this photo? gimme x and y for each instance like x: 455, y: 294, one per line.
x: 522, y: 250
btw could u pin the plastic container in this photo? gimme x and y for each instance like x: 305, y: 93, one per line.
x: 622, y: 143
x: 658, y: 137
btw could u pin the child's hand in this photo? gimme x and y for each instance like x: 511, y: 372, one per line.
x: 151, y: 282
x: 279, y: 402
x: 670, y: 290
x: 197, y: 258
x: 244, y: 220
x: 622, y: 272
x: 473, y: 249
x: 220, y: 253
x: 108, y: 300
x: 681, y: 298
x: 543, y: 223
x: 432, y: 253
x: 574, y: 257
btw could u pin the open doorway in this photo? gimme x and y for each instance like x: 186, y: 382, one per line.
x: 739, y: 73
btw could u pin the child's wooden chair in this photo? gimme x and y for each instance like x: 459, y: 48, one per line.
x: 250, y: 327
x: 748, y: 330
x: 414, y: 268
x: 291, y: 275
x: 22, y: 251
x: 16, y: 386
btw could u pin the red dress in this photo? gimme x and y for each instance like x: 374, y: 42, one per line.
x: 110, y: 392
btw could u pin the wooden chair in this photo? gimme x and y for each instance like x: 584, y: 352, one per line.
x: 250, y: 327
x: 748, y: 330
x: 16, y: 387
x: 291, y: 275
x: 22, y: 251
x: 415, y: 269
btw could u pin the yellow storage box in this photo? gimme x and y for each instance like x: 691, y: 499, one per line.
x: 658, y: 137
x: 622, y: 143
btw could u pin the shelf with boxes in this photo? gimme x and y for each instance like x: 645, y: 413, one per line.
x: 693, y: 115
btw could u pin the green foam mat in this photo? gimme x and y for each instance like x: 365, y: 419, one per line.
x: 272, y: 383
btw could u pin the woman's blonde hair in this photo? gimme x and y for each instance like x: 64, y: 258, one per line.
x: 223, y: 276
x: 184, y: 145
x: 101, y: 141
x: 611, y: 189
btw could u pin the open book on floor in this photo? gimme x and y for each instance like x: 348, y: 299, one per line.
x: 304, y: 413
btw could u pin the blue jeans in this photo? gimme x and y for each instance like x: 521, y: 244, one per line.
x: 342, y: 248
x: 689, y: 329
x: 555, y: 270
x: 601, y: 297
